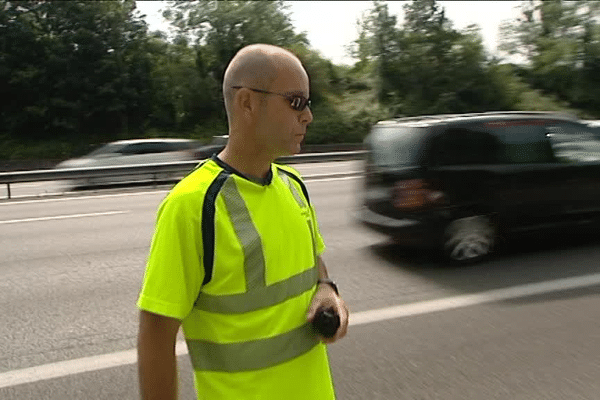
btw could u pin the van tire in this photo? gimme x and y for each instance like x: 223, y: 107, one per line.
x: 469, y: 239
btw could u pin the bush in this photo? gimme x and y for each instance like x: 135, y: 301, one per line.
x: 49, y: 150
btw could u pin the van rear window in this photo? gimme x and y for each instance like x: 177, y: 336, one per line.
x: 392, y: 146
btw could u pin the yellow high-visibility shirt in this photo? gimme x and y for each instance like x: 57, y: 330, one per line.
x: 243, y: 304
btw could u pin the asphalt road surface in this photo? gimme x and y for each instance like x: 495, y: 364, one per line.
x: 523, y: 325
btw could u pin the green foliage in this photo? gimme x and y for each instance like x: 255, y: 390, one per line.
x: 560, y: 42
x: 72, y: 66
x: 524, y: 98
x: 222, y: 28
x: 347, y: 118
x: 78, y: 73
x: 209, y: 128
x: 182, y: 95
x: 426, y: 66
x: 52, y: 149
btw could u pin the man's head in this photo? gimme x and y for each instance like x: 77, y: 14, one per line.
x: 272, y: 123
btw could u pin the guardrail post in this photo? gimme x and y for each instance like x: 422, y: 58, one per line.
x: 8, y: 190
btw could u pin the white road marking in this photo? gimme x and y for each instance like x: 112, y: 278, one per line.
x: 77, y: 366
x: 99, y: 214
x: 316, y: 179
x: 449, y: 303
x: 94, y: 363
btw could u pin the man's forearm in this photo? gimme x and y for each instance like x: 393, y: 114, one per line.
x: 322, y: 268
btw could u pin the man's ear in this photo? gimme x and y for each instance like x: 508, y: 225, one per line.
x: 244, y: 101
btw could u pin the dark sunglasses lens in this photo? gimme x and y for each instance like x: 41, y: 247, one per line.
x: 300, y: 103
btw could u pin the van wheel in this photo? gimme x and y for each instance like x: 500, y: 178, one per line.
x: 469, y: 239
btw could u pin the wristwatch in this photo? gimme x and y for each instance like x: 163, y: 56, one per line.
x: 330, y: 283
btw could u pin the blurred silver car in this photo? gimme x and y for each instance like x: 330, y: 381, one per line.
x: 133, y: 152
x: 594, y: 125
x: 592, y: 122
x: 217, y: 144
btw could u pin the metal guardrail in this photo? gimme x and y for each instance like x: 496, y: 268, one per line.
x: 182, y: 167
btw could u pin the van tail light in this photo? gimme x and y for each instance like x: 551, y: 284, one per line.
x: 416, y: 194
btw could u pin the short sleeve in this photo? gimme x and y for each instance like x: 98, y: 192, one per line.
x: 174, y: 270
x: 318, y: 238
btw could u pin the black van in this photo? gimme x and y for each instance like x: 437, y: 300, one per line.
x: 459, y: 182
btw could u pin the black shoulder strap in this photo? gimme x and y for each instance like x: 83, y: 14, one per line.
x: 297, y: 179
x: 208, y: 224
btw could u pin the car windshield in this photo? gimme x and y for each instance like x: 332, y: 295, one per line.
x: 393, y: 146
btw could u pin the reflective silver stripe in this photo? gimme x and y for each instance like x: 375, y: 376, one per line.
x: 254, y: 260
x: 302, y: 204
x: 314, y: 245
x: 294, y: 191
x: 258, y: 298
x: 252, y: 354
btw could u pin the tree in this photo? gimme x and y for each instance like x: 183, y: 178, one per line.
x: 73, y: 69
x: 183, y: 96
x: 560, y: 42
x: 425, y: 65
x: 221, y: 29
x: 379, y: 36
x: 425, y: 17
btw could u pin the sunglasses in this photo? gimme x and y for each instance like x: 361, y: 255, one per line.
x: 297, y: 101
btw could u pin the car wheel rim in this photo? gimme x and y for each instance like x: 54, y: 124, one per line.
x: 469, y: 238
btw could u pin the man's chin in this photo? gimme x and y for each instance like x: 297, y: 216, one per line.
x: 290, y: 152
x: 298, y: 146
x: 294, y: 149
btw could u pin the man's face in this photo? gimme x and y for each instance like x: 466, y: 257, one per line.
x: 281, y: 128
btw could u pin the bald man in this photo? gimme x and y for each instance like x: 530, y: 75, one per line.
x: 236, y: 255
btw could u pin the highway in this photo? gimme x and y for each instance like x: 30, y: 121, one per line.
x: 522, y: 325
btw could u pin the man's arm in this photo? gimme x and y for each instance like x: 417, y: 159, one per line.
x: 157, y: 363
x: 322, y: 268
x: 326, y: 297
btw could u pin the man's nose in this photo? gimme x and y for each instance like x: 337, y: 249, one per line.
x: 307, y: 116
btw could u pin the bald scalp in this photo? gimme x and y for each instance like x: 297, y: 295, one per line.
x: 255, y: 66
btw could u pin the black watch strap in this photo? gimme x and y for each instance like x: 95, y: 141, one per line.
x: 330, y: 283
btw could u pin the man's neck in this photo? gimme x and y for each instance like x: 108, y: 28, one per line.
x: 251, y: 164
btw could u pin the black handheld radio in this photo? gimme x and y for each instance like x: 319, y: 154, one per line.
x: 326, y: 322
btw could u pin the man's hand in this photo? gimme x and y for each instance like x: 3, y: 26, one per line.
x: 326, y: 297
